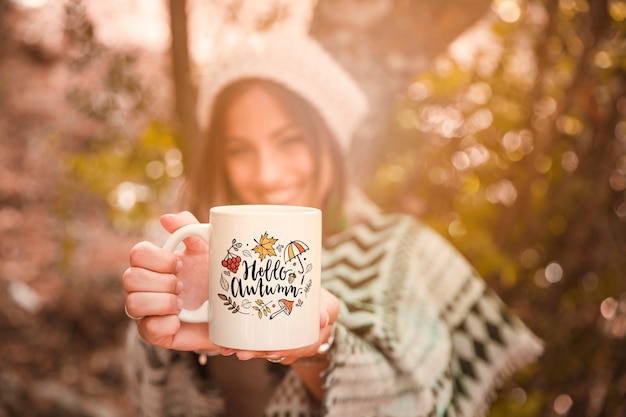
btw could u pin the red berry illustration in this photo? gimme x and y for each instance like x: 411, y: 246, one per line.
x: 232, y: 261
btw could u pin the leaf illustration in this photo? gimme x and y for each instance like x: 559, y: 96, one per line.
x: 245, y: 303
x: 262, y: 308
x: 223, y: 283
x: 265, y: 246
x: 309, y: 267
x: 232, y: 305
x: 247, y: 253
x: 307, y: 288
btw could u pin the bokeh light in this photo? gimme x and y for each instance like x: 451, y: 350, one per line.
x: 562, y: 404
x: 569, y: 161
x: 174, y: 163
x: 508, y: 10
x: 128, y: 194
x: 30, y: 3
x: 501, y: 192
x: 155, y: 169
x: 608, y: 308
x: 554, y: 273
x: 617, y: 10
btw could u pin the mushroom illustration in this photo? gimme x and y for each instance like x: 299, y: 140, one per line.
x: 285, y: 305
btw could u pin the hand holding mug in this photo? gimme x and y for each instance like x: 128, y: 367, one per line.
x: 159, y: 283
x: 258, y: 284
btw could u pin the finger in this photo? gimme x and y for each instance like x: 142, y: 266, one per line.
x: 329, y: 308
x: 245, y: 355
x: 173, y: 222
x: 159, y: 330
x: 137, y: 279
x: 288, y: 357
x: 285, y: 357
x: 141, y: 304
x: 149, y: 256
x: 169, y: 332
x: 193, y: 336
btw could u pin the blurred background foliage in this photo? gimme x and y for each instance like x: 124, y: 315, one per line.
x: 142, y: 165
x: 517, y: 154
x: 139, y: 174
x: 520, y: 159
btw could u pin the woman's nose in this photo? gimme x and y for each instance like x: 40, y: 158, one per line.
x: 269, y: 168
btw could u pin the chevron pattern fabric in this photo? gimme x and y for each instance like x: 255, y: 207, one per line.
x: 420, y: 334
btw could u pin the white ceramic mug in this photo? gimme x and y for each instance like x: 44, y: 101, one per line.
x: 264, y: 280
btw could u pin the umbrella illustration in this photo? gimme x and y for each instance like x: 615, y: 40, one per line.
x: 285, y: 306
x: 294, y: 249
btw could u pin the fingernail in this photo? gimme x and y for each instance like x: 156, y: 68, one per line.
x: 227, y: 352
x: 244, y: 356
x: 179, y: 287
x: 275, y: 358
x: 327, y: 321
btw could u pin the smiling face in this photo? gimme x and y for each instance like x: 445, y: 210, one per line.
x: 268, y: 157
x: 266, y: 145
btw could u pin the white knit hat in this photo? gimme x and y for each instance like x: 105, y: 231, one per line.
x: 297, y: 62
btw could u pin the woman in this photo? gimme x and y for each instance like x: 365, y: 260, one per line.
x: 407, y: 328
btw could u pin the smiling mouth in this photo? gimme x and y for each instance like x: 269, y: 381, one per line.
x: 280, y: 197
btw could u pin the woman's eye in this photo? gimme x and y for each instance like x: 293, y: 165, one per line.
x: 291, y: 141
x: 237, y: 151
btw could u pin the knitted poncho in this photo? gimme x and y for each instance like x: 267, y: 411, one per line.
x: 419, y: 334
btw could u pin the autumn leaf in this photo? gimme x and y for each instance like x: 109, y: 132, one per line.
x: 265, y: 246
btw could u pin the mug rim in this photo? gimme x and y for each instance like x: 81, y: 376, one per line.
x: 263, y: 209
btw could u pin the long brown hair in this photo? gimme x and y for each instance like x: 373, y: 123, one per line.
x: 207, y: 183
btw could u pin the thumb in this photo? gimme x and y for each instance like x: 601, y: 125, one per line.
x: 173, y: 222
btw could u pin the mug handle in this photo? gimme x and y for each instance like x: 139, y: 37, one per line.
x: 203, y: 231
